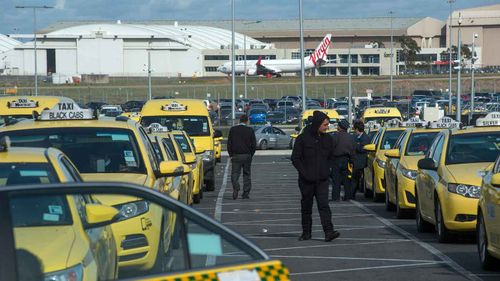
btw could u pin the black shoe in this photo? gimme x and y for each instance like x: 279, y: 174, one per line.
x: 329, y: 236
x: 305, y: 236
x: 235, y: 194
x: 245, y: 196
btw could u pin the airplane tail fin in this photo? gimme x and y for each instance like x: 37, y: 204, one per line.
x: 259, y: 61
x: 319, y: 56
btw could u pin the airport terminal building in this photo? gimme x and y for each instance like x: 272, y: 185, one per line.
x: 197, y: 48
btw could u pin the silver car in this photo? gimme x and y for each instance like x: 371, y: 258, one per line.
x: 271, y: 137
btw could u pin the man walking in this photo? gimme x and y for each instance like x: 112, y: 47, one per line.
x: 311, y: 157
x: 343, y: 149
x: 360, y: 156
x: 241, y: 145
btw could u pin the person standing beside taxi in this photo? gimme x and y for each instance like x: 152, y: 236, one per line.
x: 343, y: 150
x: 360, y: 156
x: 311, y: 156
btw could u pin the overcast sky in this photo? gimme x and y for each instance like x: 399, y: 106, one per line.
x: 14, y: 20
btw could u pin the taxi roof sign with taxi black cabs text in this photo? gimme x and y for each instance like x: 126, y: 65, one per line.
x: 445, y: 123
x: 22, y: 103
x: 412, y: 122
x: 174, y: 106
x: 490, y: 120
x: 67, y: 111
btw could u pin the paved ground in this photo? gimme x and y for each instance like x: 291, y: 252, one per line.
x: 373, y: 245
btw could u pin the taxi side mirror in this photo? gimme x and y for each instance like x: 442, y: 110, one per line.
x: 172, y: 169
x: 217, y: 134
x: 190, y: 158
x: 370, y: 147
x: 100, y: 215
x: 495, y: 180
x: 392, y: 153
x: 426, y: 164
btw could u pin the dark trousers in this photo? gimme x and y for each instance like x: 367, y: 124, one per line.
x: 357, y: 178
x: 320, y: 191
x: 239, y: 162
x: 340, y: 176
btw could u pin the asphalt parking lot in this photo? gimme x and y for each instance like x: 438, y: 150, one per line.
x: 373, y: 245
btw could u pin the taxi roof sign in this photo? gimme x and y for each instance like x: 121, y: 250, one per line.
x: 445, y: 123
x: 157, y: 128
x: 174, y: 106
x: 392, y: 123
x: 372, y: 125
x: 22, y: 103
x: 490, y: 120
x: 382, y: 111
x: 412, y: 122
x: 67, y: 111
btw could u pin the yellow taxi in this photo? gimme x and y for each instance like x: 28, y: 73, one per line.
x: 373, y: 174
x: 381, y: 114
x: 191, y: 116
x: 51, y: 225
x: 488, y: 224
x: 22, y: 107
x: 111, y: 149
x: 304, y: 121
x: 204, y: 249
x: 401, y: 165
x: 218, y: 148
x: 449, y: 177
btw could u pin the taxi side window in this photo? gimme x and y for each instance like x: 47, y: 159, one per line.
x: 169, y: 147
x: 400, y: 142
x: 377, y: 137
x: 149, y: 149
x: 80, y: 203
x: 438, y: 150
x: 68, y: 167
x: 496, y: 169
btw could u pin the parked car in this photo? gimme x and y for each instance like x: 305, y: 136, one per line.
x: 271, y: 137
x: 276, y: 117
x: 257, y: 116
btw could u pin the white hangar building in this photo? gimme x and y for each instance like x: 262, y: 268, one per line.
x: 118, y: 49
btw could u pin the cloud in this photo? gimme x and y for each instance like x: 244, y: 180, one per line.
x: 60, y: 4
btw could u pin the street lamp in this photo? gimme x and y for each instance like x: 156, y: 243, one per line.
x: 34, y: 35
x: 449, y: 59
x: 302, y: 66
x: 349, y: 70
x: 233, y: 66
x: 459, y: 74
x: 392, y: 50
x: 245, y: 55
x: 473, y: 84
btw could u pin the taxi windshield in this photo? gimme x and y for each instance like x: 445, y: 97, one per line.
x: 379, y: 120
x: 389, y: 139
x: 419, y: 143
x: 182, y: 142
x: 92, y: 150
x: 193, y: 125
x: 473, y: 148
x: 26, y: 173
x: 31, y: 211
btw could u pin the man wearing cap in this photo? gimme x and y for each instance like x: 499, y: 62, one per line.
x: 360, y: 156
x: 311, y: 156
x: 343, y: 150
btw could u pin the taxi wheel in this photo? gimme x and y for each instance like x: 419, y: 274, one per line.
x: 388, y: 205
x: 196, y: 198
x: 422, y: 225
x: 376, y: 197
x: 400, y: 212
x: 487, y: 261
x: 263, y: 145
x: 161, y: 259
x: 443, y: 233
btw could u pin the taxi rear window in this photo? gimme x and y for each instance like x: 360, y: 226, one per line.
x: 26, y: 173
x: 193, y: 125
x: 379, y: 120
x: 473, y: 148
x: 183, y: 143
x: 92, y: 150
x: 30, y: 211
x: 418, y: 144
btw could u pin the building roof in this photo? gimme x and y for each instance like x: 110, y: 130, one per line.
x: 7, y: 43
x: 199, y: 37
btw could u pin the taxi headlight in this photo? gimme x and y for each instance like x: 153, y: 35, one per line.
x: 132, y: 209
x: 74, y: 273
x: 411, y: 174
x: 381, y: 163
x: 208, y: 155
x: 469, y: 191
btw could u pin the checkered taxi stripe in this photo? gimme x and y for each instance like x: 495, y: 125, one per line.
x: 270, y: 272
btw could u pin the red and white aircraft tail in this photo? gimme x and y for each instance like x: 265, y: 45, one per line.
x: 319, y: 57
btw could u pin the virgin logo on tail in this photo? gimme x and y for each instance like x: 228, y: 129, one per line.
x: 321, y: 52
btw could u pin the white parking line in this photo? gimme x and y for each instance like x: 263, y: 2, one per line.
x: 451, y: 263
x: 336, y: 245
x: 218, y: 204
x: 366, y: 268
x: 343, y: 229
x: 354, y: 258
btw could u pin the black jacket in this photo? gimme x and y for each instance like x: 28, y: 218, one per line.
x: 343, y: 145
x: 312, y: 152
x: 360, y: 156
x: 241, y: 140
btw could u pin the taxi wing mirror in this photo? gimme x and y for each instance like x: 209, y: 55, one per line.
x: 190, y: 158
x: 217, y: 134
x: 172, y: 169
x: 427, y: 164
x: 392, y: 153
x: 100, y: 215
x: 495, y: 180
x: 369, y: 147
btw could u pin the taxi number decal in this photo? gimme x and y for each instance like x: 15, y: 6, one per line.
x: 50, y: 217
x: 146, y: 223
x: 54, y: 209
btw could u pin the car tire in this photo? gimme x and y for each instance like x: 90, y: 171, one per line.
x: 388, y: 205
x: 263, y: 145
x: 486, y: 260
x: 400, y: 212
x: 422, y: 225
x: 367, y: 192
x: 196, y: 198
x: 161, y: 259
x: 210, y: 185
x: 442, y: 232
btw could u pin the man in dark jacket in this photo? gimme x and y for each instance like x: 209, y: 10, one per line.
x: 311, y: 157
x: 360, y: 156
x: 241, y: 145
x: 343, y: 149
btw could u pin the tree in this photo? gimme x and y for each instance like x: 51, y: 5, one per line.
x: 409, y: 51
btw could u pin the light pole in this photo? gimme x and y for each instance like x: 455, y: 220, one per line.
x: 245, y: 55
x: 150, y: 94
x: 459, y: 74
x: 349, y: 74
x: 302, y: 66
x: 392, y: 50
x: 473, y: 84
x: 34, y: 35
x: 449, y: 59
x: 233, y: 72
